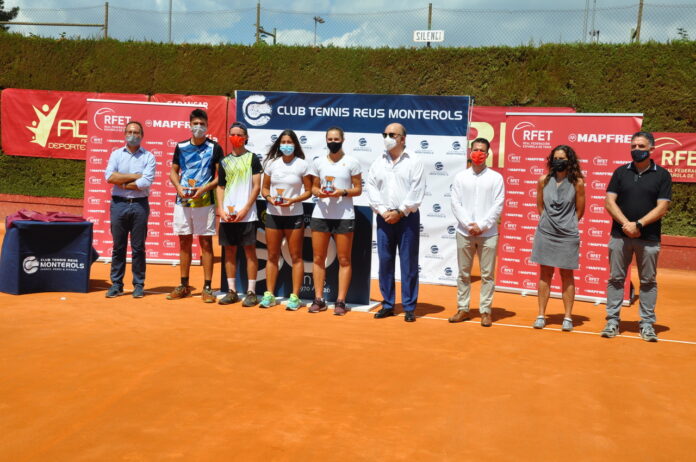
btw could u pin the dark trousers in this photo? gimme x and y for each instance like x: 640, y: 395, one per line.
x: 129, y: 217
x: 403, y: 236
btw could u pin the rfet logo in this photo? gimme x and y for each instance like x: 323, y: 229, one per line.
x: 506, y: 270
x: 533, y: 216
x: 596, y: 208
x: 108, y: 120
x: 509, y: 248
x: 591, y: 279
x: 598, y: 185
x: 514, y: 158
x: 513, y: 181
x: 594, y: 232
x: 508, y: 226
x: 594, y: 256
x: 257, y: 111
x: 169, y: 244
x: 529, y: 284
x: 95, y: 180
x: 511, y: 204
x: 96, y: 140
x: 155, y: 213
x: 529, y: 238
x: 600, y: 161
x: 526, y: 132
x: 536, y: 170
x: 94, y: 201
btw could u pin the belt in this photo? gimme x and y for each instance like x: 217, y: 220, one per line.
x: 130, y: 200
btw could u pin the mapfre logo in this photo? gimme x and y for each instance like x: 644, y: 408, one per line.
x: 257, y: 111
x: 599, y: 138
x: 106, y: 119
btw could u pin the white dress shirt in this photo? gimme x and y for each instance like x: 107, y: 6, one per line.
x: 478, y: 198
x: 396, y: 184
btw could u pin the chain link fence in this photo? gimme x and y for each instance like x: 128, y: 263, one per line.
x: 462, y: 27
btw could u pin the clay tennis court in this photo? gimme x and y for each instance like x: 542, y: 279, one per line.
x: 86, y: 378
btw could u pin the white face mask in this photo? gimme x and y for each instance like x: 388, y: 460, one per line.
x: 199, y: 131
x: 389, y: 143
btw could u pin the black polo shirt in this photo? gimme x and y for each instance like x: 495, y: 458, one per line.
x: 637, y: 194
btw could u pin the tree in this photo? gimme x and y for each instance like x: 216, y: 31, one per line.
x: 7, y: 15
x: 683, y: 34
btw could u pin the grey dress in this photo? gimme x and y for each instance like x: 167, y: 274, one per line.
x: 557, y: 240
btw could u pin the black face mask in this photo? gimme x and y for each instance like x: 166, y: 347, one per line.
x: 639, y: 156
x: 559, y: 165
x: 334, y: 146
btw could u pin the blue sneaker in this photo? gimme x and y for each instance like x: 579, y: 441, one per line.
x: 268, y: 300
x: 294, y: 303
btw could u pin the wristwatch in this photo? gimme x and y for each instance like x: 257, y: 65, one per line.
x: 345, y: 193
x: 639, y: 225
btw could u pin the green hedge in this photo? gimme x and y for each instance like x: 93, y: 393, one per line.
x: 656, y: 79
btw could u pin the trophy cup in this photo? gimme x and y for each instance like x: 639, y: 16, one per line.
x: 278, y: 199
x: 328, y: 185
x: 191, y: 184
x: 231, y: 211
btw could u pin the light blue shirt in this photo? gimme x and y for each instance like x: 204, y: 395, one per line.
x: 141, y: 161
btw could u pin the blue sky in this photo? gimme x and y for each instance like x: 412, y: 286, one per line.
x: 371, y: 23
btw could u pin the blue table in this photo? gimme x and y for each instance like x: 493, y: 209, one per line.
x: 42, y: 256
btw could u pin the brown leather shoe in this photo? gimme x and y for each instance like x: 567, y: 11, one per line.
x: 459, y: 316
x: 486, y: 320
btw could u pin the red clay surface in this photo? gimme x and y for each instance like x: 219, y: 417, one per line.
x: 86, y: 378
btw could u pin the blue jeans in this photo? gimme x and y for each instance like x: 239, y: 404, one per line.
x: 404, y: 236
x: 129, y: 217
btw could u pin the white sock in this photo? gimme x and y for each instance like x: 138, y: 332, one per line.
x: 252, y: 285
x: 231, y: 284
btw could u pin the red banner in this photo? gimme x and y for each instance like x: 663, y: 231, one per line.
x: 215, y: 106
x: 41, y: 123
x: 489, y: 122
x: 602, y: 143
x: 164, y: 125
x: 231, y: 118
x: 677, y: 153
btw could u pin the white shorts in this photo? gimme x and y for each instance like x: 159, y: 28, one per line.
x: 194, y: 220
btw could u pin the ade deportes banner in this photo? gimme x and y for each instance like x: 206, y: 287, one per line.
x: 677, y: 153
x: 436, y: 133
x: 602, y: 143
x: 41, y: 123
x: 164, y: 125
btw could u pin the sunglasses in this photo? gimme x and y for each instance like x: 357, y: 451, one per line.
x: 391, y: 135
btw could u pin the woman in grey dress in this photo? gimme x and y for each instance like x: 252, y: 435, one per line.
x: 561, y: 204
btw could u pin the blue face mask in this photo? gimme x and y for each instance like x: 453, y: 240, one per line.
x: 287, y: 149
x: 199, y: 131
x: 133, y: 140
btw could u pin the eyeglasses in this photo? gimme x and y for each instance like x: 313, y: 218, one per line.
x: 391, y: 135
